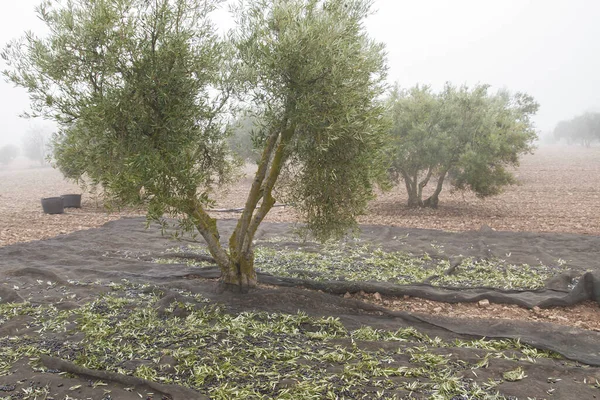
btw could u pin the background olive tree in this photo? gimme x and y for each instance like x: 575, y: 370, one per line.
x: 139, y: 91
x: 8, y: 153
x: 583, y: 129
x: 36, y: 144
x: 467, y: 136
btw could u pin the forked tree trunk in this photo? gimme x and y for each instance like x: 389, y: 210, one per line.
x: 237, y: 267
x: 414, y: 188
x: 237, y: 263
x: 433, y: 200
x: 239, y: 275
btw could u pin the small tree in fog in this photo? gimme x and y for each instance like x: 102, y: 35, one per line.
x: 138, y: 90
x: 583, y: 129
x: 465, y: 136
x: 35, y: 145
x: 8, y: 153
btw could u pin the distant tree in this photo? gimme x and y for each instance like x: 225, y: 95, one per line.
x: 583, y: 129
x: 241, y: 140
x: 8, y: 153
x: 35, y: 145
x: 131, y: 85
x: 564, y: 131
x: 465, y: 136
x: 594, y: 121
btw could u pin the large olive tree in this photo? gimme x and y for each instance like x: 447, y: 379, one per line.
x: 139, y: 87
x: 465, y: 136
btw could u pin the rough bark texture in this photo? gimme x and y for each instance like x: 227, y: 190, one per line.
x: 237, y: 264
x: 240, y: 275
x: 414, y: 200
x: 433, y: 200
x: 414, y: 189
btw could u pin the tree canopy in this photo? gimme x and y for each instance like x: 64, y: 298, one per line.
x: 141, y: 92
x: 467, y: 136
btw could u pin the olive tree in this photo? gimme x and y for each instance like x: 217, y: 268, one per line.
x: 35, y: 145
x: 466, y: 136
x: 8, y: 153
x: 140, y: 92
x: 312, y: 74
x: 584, y: 129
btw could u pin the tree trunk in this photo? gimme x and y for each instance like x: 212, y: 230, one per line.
x: 422, y: 184
x: 433, y: 200
x: 237, y: 264
x: 414, y: 198
x: 239, y: 275
x: 237, y: 267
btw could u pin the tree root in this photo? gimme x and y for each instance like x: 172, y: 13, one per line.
x: 174, y: 392
x: 190, y: 256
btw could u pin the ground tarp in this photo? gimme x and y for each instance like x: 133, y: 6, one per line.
x: 120, y: 250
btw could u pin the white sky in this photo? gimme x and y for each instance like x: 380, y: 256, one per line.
x: 547, y: 48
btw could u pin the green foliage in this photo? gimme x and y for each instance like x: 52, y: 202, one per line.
x: 313, y: 74
x: 8, y: 153
x: 139, y: 91
x: 365, y: 263
x: 514, y: 375
x: 128, y: 83
x: 583, y: 129
x: 466, y: 134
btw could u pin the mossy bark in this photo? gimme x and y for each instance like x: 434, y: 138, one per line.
x: 237, y: 263
x: 240, y: 275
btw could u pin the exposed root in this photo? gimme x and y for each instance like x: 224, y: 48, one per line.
x: 174, y: 392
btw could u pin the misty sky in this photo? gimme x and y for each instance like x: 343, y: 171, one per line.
x: 547, y: 48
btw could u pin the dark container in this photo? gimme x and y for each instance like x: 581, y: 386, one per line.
x: 71, y: 200
x: 53, y: 205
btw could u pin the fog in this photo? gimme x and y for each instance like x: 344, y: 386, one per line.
x: 547, y: 48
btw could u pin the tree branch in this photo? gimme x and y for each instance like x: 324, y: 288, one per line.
x: 255, y: 193
x: 207, y: 227
x: 268, y: 200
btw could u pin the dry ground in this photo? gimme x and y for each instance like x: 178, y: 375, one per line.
x: 559, y: 192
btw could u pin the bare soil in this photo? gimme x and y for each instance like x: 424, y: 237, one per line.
x: 558, y: 191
